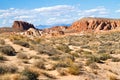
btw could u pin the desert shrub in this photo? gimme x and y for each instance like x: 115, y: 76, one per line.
x: 65, y: 62
x: 74, y: 69
x: 93, y: 59
x: 7, y: 69
x: 46, y: 49
x: 2, y: 58
x: 86, y: 54
x: 64, y: 48
x: 29, y: 74
x: 8, y: 50
x: 75, y: 54
x: 22, y: 56
x: 105, y: 56
x: 21, y: 43
x: 2, y: 42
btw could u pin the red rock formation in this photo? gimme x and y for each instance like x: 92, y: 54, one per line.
x: 21, y: 26
x: 94, y: 24
x: 55, y: 28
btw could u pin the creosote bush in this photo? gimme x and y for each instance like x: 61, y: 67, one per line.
x: 8, y: 50
x: 31, y: 75
x: 63, y: 48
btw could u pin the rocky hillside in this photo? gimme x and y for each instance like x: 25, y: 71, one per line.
x: 21, y: 26
x: 55, y: 28
x: 94, y: 24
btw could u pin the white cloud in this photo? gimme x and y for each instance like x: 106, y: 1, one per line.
x: 54, y: 8
x: 95, y: 12
x: 49, y: 15
x: 117, y: 11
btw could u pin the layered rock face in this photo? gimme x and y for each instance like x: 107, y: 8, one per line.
x: 21, y: 26
x: 94, y: 24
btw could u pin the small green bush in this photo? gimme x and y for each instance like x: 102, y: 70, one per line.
x: 8, y: 50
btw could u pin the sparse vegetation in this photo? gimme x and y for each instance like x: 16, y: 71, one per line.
x: 74, y: 69
x: 29, y: 74
x: 63, y: 48
x: 7, y: 69
x: 93, y: 56
x: 25, y: 44
x: 8, y: 50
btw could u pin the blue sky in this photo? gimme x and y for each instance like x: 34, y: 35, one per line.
x: 47, y: 12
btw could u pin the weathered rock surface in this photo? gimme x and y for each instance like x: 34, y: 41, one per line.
x: 21, y: 26
x: 33, y: 32
x: 56, y: 30
x: 94, y: 24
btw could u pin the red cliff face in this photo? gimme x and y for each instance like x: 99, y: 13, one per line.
x: 94, y: 24
x: 21, y: 26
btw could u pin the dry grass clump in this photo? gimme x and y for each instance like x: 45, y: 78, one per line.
x: 7, y: 69
x: 99, y: 58
x: 29, y: 74
x: 74, y: 69
x: 65, y: 61
x: 8, y: 50
x: 22, y: 43
x: 46, y: 49
x: 2, y: 42
x: 64, y: 48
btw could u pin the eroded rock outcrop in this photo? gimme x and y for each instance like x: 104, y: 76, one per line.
x: 21, y: 26
x: 94, y: 24
x: 56, y: 30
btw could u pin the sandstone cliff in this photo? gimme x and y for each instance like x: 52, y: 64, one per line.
x: 21, y: 26
x: 94, y: 24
